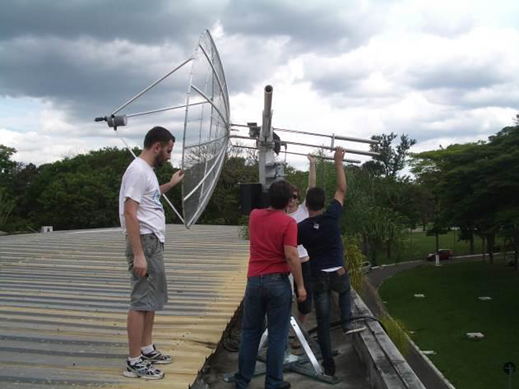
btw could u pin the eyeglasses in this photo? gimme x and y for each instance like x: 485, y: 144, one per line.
x: 295, y: 196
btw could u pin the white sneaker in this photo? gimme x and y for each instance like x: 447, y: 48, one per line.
x: 353, y: 328
x: 142, y: 369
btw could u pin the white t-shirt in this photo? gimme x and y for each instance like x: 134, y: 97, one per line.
x: 300, y: 214
x: 141, y: 185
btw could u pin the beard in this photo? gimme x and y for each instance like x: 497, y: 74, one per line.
x: 159, y: 161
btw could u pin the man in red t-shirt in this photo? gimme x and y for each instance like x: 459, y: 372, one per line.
x: 273, y: 255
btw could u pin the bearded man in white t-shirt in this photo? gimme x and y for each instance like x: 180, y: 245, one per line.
x: 144, y: 223
x: 299, y: 212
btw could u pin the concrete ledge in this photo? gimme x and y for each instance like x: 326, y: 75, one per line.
x: 387, y: 368
x: 443, y: 382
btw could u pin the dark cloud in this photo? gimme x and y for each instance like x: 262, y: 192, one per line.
x: 333, y: 82
x: 499, y: 95
x: 82, y: 78
x: 133, y: 20
x: 320, y: 26
x: 88, y: 55
x: 456, y: 76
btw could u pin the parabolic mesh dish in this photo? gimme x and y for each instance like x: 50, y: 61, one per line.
x: 206, y: 129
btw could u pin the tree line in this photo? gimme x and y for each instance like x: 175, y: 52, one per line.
x: 82, y: 191
x: 471, y: 187
x: 475, y: 187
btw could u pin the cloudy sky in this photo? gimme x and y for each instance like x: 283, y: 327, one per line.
x: 442, y: 71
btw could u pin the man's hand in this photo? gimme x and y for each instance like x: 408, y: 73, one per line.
x: 140, y: 266
x: 177, y: 177
x: 341, y: 176
x: 339, y: 155
x: 311, y: 159
x: 301, y: 294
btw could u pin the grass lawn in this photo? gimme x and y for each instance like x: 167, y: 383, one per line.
x: 451, y: 308
x: 417, y: 245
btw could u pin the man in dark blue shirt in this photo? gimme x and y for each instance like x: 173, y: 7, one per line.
x: 321, y: 236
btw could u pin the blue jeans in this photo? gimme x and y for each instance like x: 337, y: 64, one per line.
x: 269, y: 294
x: 323, y: 284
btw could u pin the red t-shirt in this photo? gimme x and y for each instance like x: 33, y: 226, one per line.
x: 269, y: 231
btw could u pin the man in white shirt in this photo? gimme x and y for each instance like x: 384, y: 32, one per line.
x: 143, y: 220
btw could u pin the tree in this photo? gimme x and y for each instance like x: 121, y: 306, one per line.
x: 369, y: 213
x: 7, y: 166
x: 78, y: 192
x: 477, y: 185
x: 449, y: 176
x: 224, y: 205
x: 7, y: 173
x: 6, y: 207
x: 390, y: 160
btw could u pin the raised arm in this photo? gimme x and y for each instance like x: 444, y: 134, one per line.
x: 341, y: 177
x: 311, y: 172
x: 175, y: 179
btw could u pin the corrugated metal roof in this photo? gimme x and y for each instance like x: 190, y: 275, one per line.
x: 64, y: 298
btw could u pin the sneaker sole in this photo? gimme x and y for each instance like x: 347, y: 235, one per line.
x: 355, y: 330
x: 158, y: 362
x: 130, y: 374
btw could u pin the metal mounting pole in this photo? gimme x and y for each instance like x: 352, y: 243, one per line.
x: 269, y: 170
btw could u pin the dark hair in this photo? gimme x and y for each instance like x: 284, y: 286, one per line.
x: 315, y: 198
x: 294, y: 188
x: 158, y: 134
x: 279, y: 193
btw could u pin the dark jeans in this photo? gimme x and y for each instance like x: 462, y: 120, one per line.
x: 271, y: 295
x: 323, y: 284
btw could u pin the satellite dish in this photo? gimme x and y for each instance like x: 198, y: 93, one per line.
x: 206, y: 129
x: 206, y: 126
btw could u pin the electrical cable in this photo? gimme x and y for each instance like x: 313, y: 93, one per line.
x: 337, y: 323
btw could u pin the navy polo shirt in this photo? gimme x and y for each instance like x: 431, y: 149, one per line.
x: 321, y: 237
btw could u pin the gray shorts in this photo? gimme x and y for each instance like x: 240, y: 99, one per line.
x: 149, y: 293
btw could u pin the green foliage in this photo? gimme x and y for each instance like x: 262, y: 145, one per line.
x: 79, y: 192
x: 82, y: 191
x: 224, y: 206
x: 375, y: 209
x: 7, y: 166
x: 8, y: 169
x: 243, y: 228
x: 390, y: 160
x: 354, y: 260
x: 474, y: 186
x: 6, y: 207
x: 395, y: 329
